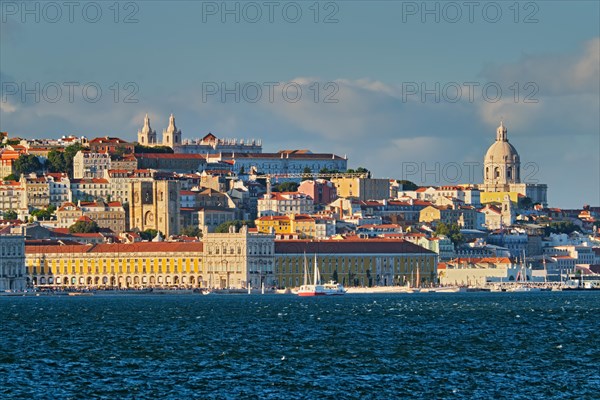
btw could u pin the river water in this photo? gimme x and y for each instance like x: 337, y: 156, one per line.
x: 459, y: 345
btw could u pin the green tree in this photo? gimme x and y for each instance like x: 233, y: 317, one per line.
x: 27, y: 163
x: 224, y: 227
x: 242, y: 171
x: 10, y: 215
x: 334, y: 276
x: 452, y: 232
x: 56, y: 161
x: 567, y: 227
x: 149, y: 234
x: 11, y: 177
x: 84, y: 227
x: 525, y: 203
x: 286, y: 187
x: 408, y: 185
x: 44, y: 214
x: 192, y: 231
x: 141, y: 149
x: 69, y: 154
x: 307, y: 174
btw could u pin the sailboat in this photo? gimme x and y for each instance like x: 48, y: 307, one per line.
x: 317, y: 288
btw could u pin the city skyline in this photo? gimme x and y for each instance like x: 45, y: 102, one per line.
x: 379, y: 84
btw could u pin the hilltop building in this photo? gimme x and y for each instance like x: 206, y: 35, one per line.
x: 502, y: 172
x: 209, y: 144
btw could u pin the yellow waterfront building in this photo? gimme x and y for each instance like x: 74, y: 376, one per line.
x: 134, y: 265
x: 225, y: 260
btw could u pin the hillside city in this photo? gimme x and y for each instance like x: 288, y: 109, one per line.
x: 168, y: 212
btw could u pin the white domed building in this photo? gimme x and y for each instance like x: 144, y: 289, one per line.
x: 502, y: 174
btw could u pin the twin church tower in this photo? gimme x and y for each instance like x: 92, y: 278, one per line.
x: 170, y: 137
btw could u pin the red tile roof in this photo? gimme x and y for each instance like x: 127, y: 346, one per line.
x: 139, y: 247
x: 350, y: 246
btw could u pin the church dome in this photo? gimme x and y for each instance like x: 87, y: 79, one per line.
x: 501, y: 151
x: 502, y: 164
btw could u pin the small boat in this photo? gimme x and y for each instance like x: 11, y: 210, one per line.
x: 317, y: 288
x: 524, y: 289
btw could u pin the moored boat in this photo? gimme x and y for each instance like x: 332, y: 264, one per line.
x: 317, y: 288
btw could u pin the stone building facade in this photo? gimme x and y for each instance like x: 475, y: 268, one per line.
x: 239, y: 259
x: 155, y: 205
x: 13, y: 275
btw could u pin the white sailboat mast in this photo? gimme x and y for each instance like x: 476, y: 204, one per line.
x: 317, y: 276
x: 305, y: 270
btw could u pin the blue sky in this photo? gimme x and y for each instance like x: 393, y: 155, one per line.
x: 369, y: 57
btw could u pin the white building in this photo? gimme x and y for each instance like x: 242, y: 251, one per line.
x: 12, y: 195
x: 120, y: 182
x: 59, y: 186
x: 285, y: 203
x: 239, y: 259
x: 282, y: 162
x: 87, y: 164
x: 13, y: 275
x: 466, y: 194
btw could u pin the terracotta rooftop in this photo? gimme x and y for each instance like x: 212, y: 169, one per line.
x: 350, y: 246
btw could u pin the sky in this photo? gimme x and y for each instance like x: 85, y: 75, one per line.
x: 410, y: 90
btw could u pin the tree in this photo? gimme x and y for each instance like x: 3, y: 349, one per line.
x: 43, y: 215
x: 308, y: 174
x: 69, y: 154
x: 224, y: 227
x: 452, y: 232
x: 567, y: 227
x: 242, y: 170
x: 149, y: 234
x: 334, y: 276
x: 192, y: 231
x: 26, y: 164
x: 525, y: 203
x: 10, y: 215
x: 56, y: 161
x: 84, y: 227
x: 286, y: 187
x: 141, y: 149
x: 408, y: 185
x: 11, y: 177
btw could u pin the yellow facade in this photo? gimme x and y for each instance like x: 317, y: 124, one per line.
x: 278, y: 225
x: 498, y: 197
x: 301, y: 225
x: 129, y: 266
x: 430, y: 214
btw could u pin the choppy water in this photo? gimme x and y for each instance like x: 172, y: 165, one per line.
x: 505, y: 345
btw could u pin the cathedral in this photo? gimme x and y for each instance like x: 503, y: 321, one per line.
x: 502, y: 174
x: 171, y: 136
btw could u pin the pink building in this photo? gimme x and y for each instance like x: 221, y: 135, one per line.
x: 321, y: 191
